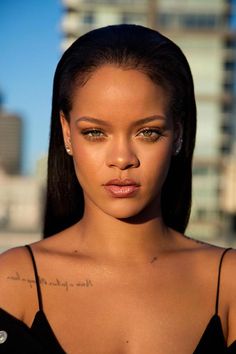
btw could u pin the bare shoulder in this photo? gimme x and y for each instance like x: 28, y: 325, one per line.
x: 17, y: 277
x: 217, y: 266
x: 209, y: 252
x: 15, y: 259
x: 230, y: 262
x: 209, y: 258
x: 228, y: 276
x: 224, y: 258
x: 15, y: 265
x: 225, y: 261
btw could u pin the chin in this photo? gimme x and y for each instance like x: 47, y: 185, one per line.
x: 129, y: 209
x: 134, y: 214
x: 122, y: 214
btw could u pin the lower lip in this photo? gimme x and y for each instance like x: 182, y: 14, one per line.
x: 122, y: 191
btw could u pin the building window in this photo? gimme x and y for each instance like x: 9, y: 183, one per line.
x: 230, y: 43
x: 229, y: 65
x: 165, y: 20
x: 226, y: 128
x: 228, y: 86
x: 234, y: 222
x: 200, y: 20
x: 200, y: 171
x: 193, y: 21
x: 225, y: 148
x: 133, y: 18
x: 88, y: 18
x: 227, y: 107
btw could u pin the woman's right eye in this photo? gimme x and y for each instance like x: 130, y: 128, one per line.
x: 93, y: 134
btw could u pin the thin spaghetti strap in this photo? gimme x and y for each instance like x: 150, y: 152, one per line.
x: 36, y: 278
x: 218, y: 281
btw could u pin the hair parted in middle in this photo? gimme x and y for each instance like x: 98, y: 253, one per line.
x: 129, y: 47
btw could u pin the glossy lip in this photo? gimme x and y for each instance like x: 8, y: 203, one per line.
x: 122, y: 182
x: 121, y: 188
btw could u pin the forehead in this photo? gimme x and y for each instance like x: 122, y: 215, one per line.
x: 112, y: 90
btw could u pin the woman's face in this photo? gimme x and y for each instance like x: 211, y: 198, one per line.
x: 122, y: 141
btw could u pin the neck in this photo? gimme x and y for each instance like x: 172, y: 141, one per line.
x: 135, y: 239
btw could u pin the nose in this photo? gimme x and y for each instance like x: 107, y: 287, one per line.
x: 122, y: 155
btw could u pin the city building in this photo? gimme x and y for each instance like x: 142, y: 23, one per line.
x: 21, y: 197
x: 206, y: 32
x: 228, y: 195
x: 20, y: 203
x: 21, y: 210
x: 10, y: 142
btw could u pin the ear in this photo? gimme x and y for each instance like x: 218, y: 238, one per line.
x: 178, y: 138
x: 66, y: 133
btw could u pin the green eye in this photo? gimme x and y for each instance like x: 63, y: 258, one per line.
x: 150, y: 134
x: 95, y: 133
x: 92, y: 133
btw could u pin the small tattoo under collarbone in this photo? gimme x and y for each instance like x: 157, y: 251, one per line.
x: 57, y: 283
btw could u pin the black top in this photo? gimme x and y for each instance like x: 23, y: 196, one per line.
x: 17, y: 338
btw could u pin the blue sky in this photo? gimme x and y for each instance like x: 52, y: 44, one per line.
x: 30, y: 37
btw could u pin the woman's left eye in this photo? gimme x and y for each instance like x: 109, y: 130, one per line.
x: 150, y: 134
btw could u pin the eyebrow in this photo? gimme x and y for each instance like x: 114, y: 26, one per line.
x: 138, y: 122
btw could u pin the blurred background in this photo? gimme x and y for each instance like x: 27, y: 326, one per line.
x: 34, y: 34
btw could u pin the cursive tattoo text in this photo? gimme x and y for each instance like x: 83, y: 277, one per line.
x: 57, y: 283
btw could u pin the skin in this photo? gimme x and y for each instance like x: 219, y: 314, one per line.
x: 120, y: 280
x: 121, y: 148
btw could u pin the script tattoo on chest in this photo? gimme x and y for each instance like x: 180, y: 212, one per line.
x: 57, y: 283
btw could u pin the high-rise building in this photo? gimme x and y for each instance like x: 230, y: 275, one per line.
x: 206, y: 32
x: 20, y: 211
x: 10, y: 143
x: 228, y: 201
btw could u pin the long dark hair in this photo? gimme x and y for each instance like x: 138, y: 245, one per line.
x: 128, y: 46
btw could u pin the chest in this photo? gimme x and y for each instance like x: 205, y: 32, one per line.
x: 129, y: 314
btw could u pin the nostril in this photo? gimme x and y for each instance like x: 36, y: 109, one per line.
x: 122, y: 156
x: 124, y: 165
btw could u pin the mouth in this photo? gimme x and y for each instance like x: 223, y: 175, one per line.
x: 122, y: 188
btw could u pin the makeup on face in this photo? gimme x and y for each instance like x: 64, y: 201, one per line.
x: 148, y: 129
x: 122, y: 140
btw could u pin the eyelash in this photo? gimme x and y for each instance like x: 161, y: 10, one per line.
x: 158, y: 134
x: 89, y: 134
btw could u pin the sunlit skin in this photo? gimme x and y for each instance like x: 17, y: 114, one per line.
x: 120, y: 128
x: 151, y: 289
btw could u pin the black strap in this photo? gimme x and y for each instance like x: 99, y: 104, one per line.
x: 36, y: 278
x: 218, y: 282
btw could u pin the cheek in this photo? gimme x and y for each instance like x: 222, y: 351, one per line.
x: 87, y: 162
x: 156, y: 164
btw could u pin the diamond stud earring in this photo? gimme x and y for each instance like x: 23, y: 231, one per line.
x: 68, y: 150
x: 67, y: 146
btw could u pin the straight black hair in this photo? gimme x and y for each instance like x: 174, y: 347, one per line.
x: 131, y: 47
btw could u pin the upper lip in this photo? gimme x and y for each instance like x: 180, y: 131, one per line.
x: 122, y: 182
